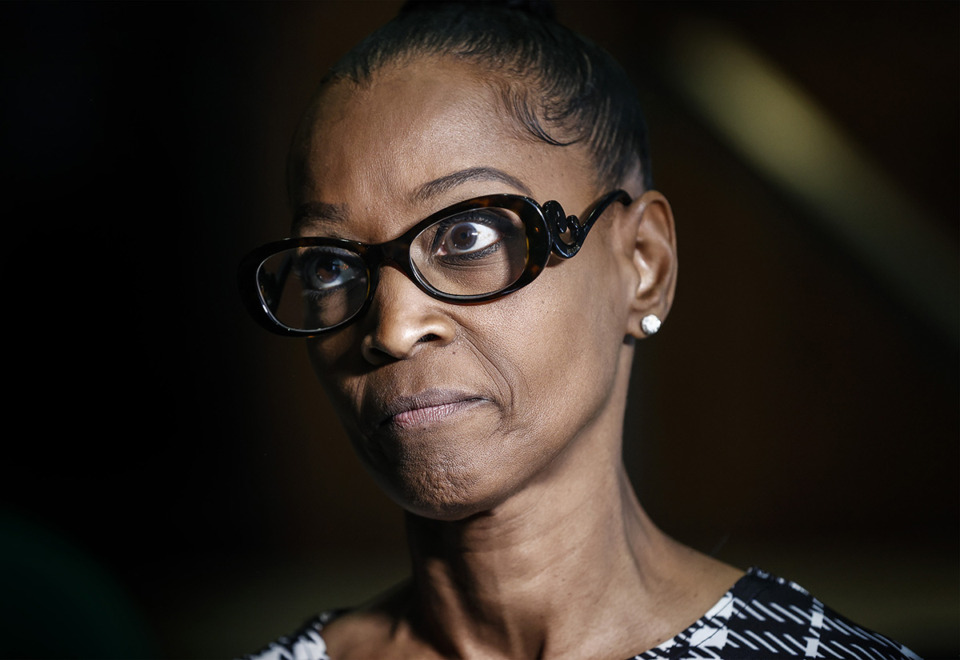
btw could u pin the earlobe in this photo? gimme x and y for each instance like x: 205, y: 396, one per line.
x: 654, y: 262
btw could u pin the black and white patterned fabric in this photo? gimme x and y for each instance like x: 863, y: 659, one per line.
x: 764, y: 616
x: 305, y: 644
x: 760, y: 617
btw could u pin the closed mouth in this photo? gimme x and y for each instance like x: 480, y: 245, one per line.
x: 427, y: 407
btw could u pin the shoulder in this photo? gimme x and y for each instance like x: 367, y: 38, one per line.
x: 765, y: 616
x: 306, y: 643
x: 358, y: 632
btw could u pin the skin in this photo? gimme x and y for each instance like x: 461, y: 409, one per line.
x: 525, y: 534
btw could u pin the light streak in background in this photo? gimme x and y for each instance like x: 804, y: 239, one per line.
x: 779, y: 130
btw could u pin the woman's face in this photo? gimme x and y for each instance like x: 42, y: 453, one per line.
x: 453, y: 408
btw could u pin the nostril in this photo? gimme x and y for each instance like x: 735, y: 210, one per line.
x: 428, y: 337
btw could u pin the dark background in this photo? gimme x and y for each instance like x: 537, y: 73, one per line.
x: 175, y: 484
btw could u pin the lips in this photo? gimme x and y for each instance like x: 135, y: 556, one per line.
x: 424, y: 408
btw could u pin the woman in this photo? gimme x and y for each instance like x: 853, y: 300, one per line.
x: 477, y: 343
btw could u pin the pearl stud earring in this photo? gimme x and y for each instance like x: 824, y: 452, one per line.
x: 650, y: 324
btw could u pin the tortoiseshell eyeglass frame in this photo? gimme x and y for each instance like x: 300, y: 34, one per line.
x: 548, y: 230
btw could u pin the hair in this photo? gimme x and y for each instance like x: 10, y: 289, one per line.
x: 560, y: 87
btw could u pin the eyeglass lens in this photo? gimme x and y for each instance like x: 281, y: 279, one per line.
x: 473, y: 253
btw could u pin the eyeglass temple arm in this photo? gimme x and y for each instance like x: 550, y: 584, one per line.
x: 560, y: 223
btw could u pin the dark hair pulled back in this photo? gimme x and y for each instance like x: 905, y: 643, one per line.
x: 562, y: 88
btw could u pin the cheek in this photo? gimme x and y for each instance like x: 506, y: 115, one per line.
x: 573, y: 355
x: 334, y: 358
x: 555, y: 348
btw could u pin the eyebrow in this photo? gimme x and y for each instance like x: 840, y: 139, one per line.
x: 312, y: 211
x: 309, y: 212
x: 454, y: 179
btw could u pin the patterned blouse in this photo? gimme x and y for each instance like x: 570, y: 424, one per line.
x: 760, y: 617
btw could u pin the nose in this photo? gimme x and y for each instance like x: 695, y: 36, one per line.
x: 402, y: 320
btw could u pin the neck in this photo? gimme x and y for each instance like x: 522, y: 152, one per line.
x: 525, y: 579
x: 568, y: 566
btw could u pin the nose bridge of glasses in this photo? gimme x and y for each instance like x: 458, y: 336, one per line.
x: 394, y: 253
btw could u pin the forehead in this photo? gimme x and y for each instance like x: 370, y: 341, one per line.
x: 369, y: 149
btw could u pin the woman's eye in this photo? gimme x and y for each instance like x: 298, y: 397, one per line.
x: 329, y: 272
x: 325, y: 271
x: 466, y: 237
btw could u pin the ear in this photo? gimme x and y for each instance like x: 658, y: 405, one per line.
x: 654, y: 260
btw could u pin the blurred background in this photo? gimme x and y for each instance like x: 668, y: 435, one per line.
x: 174, y: 482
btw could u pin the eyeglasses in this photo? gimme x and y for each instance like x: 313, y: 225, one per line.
x: 472, y: 252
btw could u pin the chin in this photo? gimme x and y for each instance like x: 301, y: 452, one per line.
x: 438, y: 474
x: 437, y: 489
x: 440, y: 493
